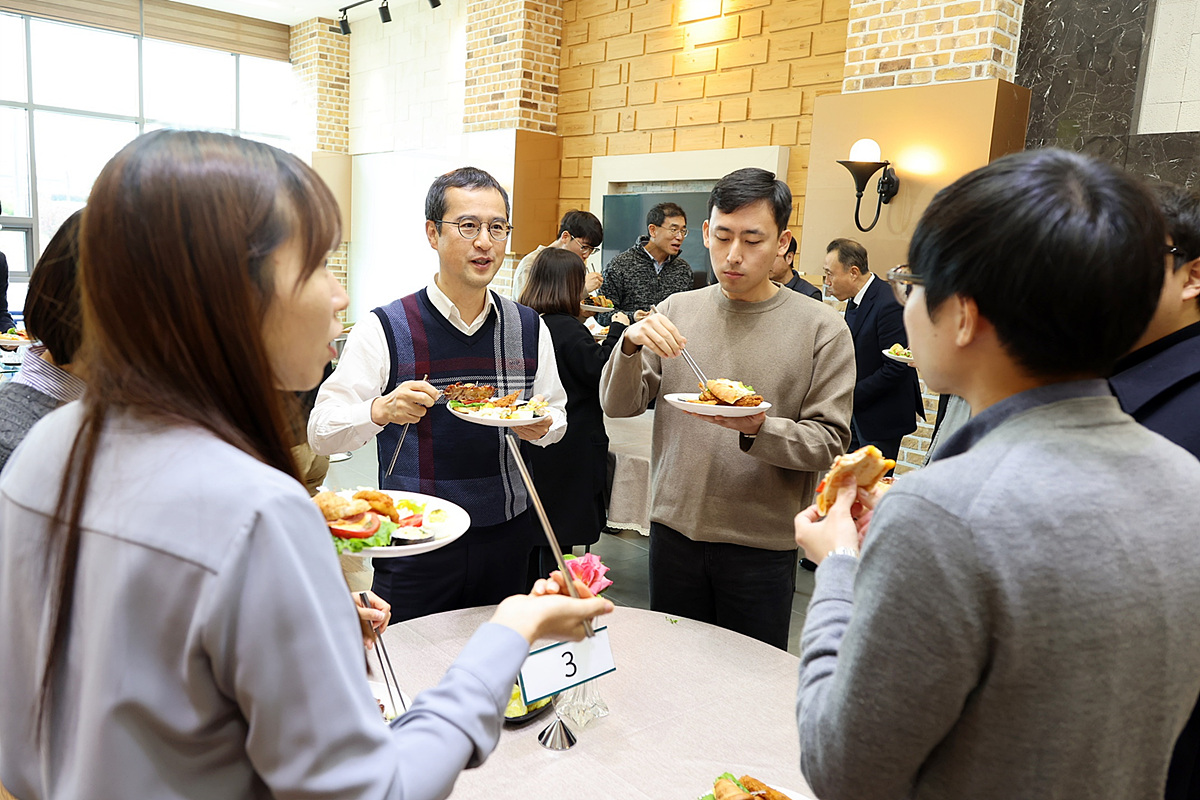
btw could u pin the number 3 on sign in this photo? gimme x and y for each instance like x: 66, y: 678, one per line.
x: 553, y: 669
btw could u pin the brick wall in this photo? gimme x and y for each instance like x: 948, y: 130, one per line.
x: 910, y: 42
x: 320, y: 57
x: 657, y: 76
x: 513, y: 52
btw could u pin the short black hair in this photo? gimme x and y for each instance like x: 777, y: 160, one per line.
x: 748, y: 185
x: 582, y: 225
x: 461, y: 178
x: 792, y: 245
x: 849, y: 254
x: 1062, y: 254
x: 660, y: 212
x: 1181, y: 209
x: 52, y: 305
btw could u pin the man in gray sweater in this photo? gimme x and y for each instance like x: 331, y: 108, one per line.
x: 1023, y: 622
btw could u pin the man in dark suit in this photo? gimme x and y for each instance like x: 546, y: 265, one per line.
x: 887, y: 396
x: 1158, y: 384
x: 782, y: 272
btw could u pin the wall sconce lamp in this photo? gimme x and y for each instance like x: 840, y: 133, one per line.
x: 862, y: 164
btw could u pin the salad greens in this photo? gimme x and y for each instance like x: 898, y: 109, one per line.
x: 382, y: 538
x: 727, y: 776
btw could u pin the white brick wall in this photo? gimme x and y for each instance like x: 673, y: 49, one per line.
x: 1170, y: 100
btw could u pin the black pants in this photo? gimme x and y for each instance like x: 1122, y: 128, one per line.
x: 889, y: 447
x: 744, y: 589
x: 481, y: 568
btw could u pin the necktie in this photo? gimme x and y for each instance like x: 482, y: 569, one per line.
x: 851, y: 312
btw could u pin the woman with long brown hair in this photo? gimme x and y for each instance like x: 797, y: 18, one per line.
x: 173, y: 617
x: 571, y: 475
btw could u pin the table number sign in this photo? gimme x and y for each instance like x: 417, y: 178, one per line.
x: 560, y: 666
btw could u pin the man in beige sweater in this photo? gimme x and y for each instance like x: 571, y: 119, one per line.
x: 725, y: 489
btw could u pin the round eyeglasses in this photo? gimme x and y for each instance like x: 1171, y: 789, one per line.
x: 902, y: 280
x: 675, y: 230
x: 469, y: 228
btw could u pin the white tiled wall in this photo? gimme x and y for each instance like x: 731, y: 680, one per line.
x: 1171, y: 85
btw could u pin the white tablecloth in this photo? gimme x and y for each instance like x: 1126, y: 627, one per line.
x: 688, y: 701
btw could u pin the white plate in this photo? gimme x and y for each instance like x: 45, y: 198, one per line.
x: 599, y: 335
x: 680, y: 401
x: 455, y: 525
x: 493, y: 422
x: 894, y: 357
x: 597, y: 309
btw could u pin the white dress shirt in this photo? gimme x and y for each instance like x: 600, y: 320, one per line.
x: 341, y: 418
x: 858, y: 298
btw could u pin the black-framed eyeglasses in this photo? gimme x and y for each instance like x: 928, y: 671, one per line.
x: 902, y: 280
x: 469, y: 228
x: 585, y: 249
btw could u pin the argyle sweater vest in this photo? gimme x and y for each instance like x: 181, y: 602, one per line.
x: 444, y: 456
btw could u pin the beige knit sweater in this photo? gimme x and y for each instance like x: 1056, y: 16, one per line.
x: 798, y: 354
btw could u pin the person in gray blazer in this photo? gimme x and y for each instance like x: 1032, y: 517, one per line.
x: 1028, y: 600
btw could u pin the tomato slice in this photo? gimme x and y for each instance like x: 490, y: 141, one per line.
x: 821, y: 486
x: 415, y: 521
x: 361, y: 526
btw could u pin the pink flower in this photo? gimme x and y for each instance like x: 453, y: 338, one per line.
x: 589, y: 571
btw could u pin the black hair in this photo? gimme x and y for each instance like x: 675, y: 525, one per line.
x: 582, y: 225
x: 1181, y: 209
x: 555, y: 282
x: 52, y: 312
x: 1062, y: 254
x: 749, y: 185
x: 792, y: 245
x: 658, y: 214
x: 849, y: 254
x: 461, y: 178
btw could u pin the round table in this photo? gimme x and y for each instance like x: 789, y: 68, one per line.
x: 688, y: 701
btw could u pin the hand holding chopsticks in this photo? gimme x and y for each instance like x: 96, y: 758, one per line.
x: 656, y: 332
x: 407, y: 403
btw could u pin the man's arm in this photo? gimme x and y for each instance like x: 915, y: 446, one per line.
x: 822, y: 429
x: 341, y: 417
x: 889, y: 330
x: 548, y: 384
x: 889, y: 654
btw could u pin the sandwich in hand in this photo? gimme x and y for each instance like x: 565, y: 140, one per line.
x: 724, y: 392
x: 866, y: 464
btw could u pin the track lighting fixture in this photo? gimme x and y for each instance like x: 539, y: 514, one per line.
x: 344, y: 23
x: 385, y: 14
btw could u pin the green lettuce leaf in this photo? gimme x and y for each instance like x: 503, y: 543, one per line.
x: 382, y: 538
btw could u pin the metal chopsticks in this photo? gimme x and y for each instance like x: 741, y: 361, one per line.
x: 515, y: 447
x: 382, y: 653
x: 400, y: 443
x: 691, y: 362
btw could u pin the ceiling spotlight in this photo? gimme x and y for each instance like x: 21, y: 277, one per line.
x: 434, y: 3
x: 344, y: 24
x: 385, y: 13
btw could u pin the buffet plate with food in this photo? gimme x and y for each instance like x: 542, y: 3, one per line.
x: 478, y: 404
x: 390, y: 524
x: 899, y: 352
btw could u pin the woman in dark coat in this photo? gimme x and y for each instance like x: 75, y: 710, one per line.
x: 571, y: 475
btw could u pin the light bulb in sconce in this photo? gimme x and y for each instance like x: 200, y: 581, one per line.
x: 865, y: 150
x: 865, y: 160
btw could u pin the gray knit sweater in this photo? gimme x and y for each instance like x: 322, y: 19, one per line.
x: 20, y: 407
x: 631, y: 282
x: 1024, y: 620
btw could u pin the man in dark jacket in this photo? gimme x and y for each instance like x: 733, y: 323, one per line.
x: 6, y: 320
x: 782, y: 272
x: 1159, y: 385
x: 652, y: 269
x: 887, y: 395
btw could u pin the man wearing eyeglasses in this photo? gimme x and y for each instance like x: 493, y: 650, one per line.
x: 581, y: 233
x: 887, y: 395
x: 455, y: 330
x: 651, y: 270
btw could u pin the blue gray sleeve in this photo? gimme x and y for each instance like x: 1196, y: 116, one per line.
x: 281, y: 636
x: 889, y: 652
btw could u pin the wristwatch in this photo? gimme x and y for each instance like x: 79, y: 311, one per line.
x: 843, y: 551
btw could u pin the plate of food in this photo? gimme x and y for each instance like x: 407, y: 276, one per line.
x: 729, y: 787
x: 721, y: 398
x: 600, y: 334
x: 390, y: 524
x: 479, y: 404
x: 597, y: 303
x: 899, y: 352
x: 517, y: 713
x: 13, y: 336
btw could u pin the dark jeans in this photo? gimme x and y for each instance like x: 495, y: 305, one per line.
x: 744, y: 589
x: 481, y: 568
